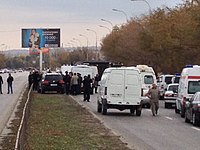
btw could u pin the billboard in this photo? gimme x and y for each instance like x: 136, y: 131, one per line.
x: 40, y: 38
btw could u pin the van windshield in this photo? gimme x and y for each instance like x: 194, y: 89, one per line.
x: 176, y: 80
x: 148, y: 79
x: 193, y: 87
x: 168, y: 80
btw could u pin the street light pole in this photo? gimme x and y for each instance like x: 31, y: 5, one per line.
x: 78, y: 41
x: 96, y: 39
x: 105, y: 27
x: 122, y: 12
x: 145, y: 2
x: 108, y: 22
x: 87, y: 45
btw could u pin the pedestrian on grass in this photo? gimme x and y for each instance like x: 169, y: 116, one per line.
x: 1, y: 82
x: 10, y: 80
x: 87, y: 88
x: 30, y: 79
x: 153, y: 95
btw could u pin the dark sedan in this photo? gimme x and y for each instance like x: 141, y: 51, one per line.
x: 192, y: 113
x: 51, y: 82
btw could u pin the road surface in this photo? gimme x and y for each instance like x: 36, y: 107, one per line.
x: 167, y: 131
x: 8, y: 101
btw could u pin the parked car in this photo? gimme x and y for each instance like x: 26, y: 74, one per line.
x: 192, y: 113
x: 51, y: 82
x: 170, y: 95
x: 163, y: 82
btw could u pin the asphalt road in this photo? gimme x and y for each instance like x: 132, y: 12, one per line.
x: 167, y: 131
x: 8, y: 101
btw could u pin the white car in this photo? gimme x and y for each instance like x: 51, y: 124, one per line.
x: 170, y: 95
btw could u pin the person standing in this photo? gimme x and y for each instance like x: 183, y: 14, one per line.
x: 30, y: 79
x: 67, y: 80
x: 153, y: 95
x: 87, y: 88
x: 96, y: 82
x: 74, y: 84
x: 1, y: 82
x: 10, y: 79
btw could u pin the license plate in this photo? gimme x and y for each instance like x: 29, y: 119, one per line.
x: 53, y: 84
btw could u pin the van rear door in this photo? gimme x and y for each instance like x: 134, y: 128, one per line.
x: 132, y: 87
x: 116, y: 86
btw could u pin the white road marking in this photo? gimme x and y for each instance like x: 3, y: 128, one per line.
x: 169, y: 118
x: 148, y: 109
x: 198, y: 129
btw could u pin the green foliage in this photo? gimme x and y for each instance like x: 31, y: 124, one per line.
x: 167, y: 39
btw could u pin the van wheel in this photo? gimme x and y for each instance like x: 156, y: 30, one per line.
x: 194, y: 120
x: 104, y: 107
x: 99, y: 107
x: 132, y: 110
x: 138, y: 111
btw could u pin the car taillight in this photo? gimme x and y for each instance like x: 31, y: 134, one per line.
x: 184, y: 101
x: 61, y: 82
x: 45, y: 82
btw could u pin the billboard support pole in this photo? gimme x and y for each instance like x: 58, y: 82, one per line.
x: 40, y: 60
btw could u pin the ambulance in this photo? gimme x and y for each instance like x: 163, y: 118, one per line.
x: 189, y: 84
x: 148, y: 77
x: 120, y: 88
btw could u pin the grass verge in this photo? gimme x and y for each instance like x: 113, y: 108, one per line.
x: 57, y: 122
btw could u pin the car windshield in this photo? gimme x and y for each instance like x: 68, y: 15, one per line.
x: 176, y: 80
x: 168, y: 80
x: 193, y: 87
x: 173, y: 88
x: 148, y: 79
x: 53, y: 77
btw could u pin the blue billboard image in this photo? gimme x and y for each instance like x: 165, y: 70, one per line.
x: 40, y: 38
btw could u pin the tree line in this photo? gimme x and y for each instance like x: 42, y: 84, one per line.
x: 166, y: 39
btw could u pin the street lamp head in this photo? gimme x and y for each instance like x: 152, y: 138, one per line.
x: 115, y: 9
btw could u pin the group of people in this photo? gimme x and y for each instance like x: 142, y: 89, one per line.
x: 75, y: 84
x: 34, y: 78
x: 10, y: 80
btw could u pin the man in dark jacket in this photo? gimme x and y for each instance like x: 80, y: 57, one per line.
x: 10, y: 79
x: 1, y: 82
x: 87, y: 88
x: 67, y: 80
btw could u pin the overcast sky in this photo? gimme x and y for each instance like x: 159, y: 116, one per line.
x: 73, y: 17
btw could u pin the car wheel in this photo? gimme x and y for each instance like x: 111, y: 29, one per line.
x: 194, y: 120
x: 138, y: 111
x: 132, y: 110
x: 99, y: 107
x: 104, y: 107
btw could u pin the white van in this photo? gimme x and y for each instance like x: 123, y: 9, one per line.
x: 189, y: 84
x: 163, y: 82
x: 84, y: 70
x: 65, y: 68
x: 120, y: 88
x: 148, y: 78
